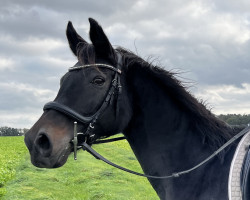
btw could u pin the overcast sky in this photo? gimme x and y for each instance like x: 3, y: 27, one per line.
x: 208, y: 40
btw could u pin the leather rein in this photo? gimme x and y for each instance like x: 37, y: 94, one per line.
x: 115, y: 89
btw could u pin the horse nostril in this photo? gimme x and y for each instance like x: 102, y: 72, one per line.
x: 43, y: 144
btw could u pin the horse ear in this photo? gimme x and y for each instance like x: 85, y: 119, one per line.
x: 100, y: 41
x: 73, y: 38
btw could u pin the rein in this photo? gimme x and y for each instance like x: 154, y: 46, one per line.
x: 90, y: 150
x: 114, y: 89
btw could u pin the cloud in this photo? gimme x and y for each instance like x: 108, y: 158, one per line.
x: 6, y: 64
x: 19, y: 119
x: 210, y: 39
x: 17, y: 96
x: 22, y: 21
x: 20, y: 104
x: 227, y: 98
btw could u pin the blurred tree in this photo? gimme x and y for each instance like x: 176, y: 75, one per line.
x: 8, y: 131
x: 235, y: 119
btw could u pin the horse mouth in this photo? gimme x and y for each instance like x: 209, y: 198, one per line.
x: 63, y: 157
x: 54, y: 161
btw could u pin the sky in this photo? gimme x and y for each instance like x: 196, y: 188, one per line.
x: 207, y: 41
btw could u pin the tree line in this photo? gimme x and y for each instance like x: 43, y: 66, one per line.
x: 235, y: 119
x: 8, y: 131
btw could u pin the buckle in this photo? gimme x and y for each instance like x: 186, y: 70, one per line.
x: 87, y: 135
x: 91, y: 125
x: 75, y: 141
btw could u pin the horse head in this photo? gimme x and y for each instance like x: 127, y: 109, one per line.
x: 84, y: 90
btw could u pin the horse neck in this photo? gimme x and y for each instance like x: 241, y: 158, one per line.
x: 158, y: 126
x: 160, y: 135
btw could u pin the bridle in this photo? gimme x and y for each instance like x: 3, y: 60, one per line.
x: 114, y: 90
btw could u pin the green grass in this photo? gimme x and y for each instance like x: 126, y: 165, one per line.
x: 12, y: 151
x: 84, y: 179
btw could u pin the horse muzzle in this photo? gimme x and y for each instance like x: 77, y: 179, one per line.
x: 44, y: 154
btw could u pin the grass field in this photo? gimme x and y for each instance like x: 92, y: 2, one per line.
x: 84, y: 179
x: 12, y: 151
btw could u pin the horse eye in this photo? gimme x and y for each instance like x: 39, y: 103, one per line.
x: 98, y: 81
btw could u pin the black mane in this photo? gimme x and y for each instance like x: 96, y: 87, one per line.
x: 86, y: 53
x: 214, y: 131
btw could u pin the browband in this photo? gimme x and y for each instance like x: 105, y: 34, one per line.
x: 97, y: 65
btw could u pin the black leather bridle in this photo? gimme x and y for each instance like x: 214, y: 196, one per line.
x: 115, y: 90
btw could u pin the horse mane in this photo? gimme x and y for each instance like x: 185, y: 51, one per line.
x: 214, y: 131
x: 85, y: 53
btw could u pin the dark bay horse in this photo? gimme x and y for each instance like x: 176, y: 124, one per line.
x: 166, y: 127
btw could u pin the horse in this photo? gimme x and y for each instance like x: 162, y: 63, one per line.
x: 112, y: 90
